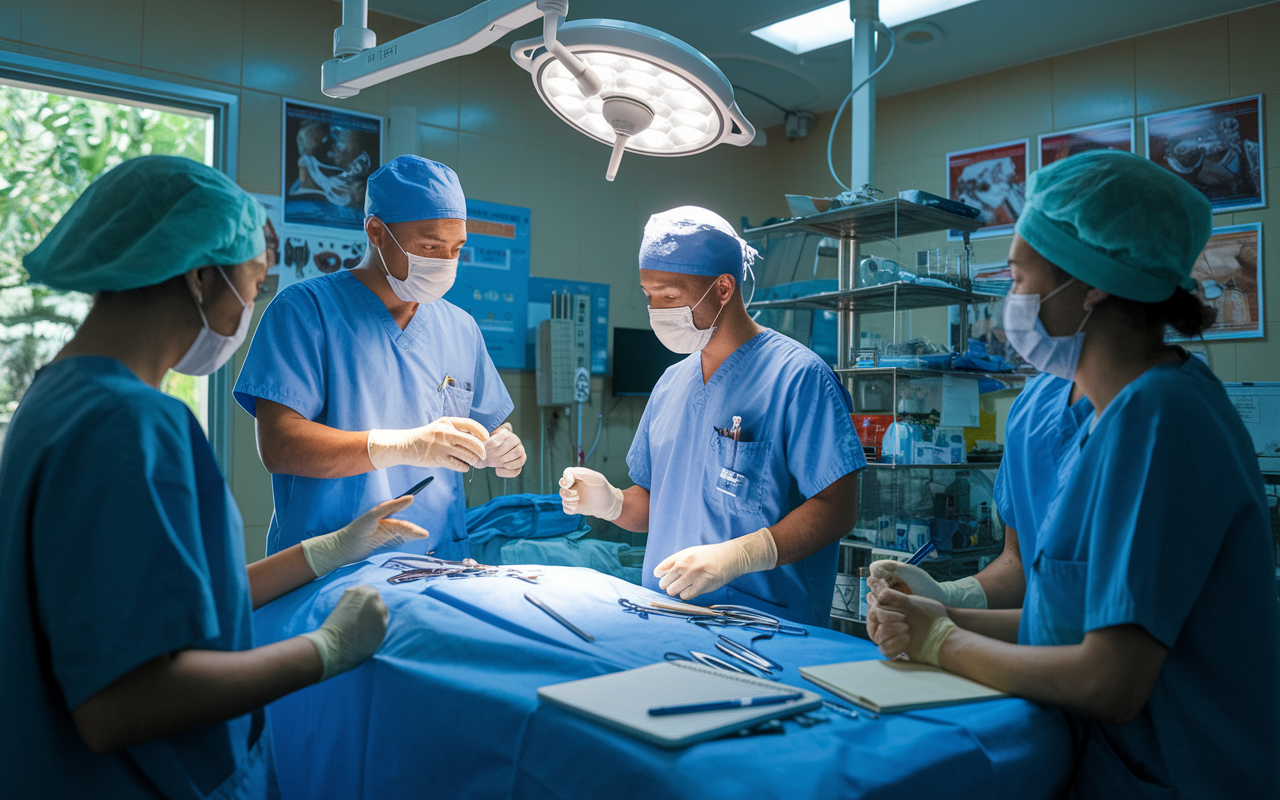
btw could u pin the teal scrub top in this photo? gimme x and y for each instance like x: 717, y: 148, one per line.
x: 797, y: 439
x: 329, y: 349
x: 1038, y: 447
x: 119, y: 543
x: 1163, y: 524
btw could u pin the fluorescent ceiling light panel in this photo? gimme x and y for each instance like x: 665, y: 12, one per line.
x: 831, y: 24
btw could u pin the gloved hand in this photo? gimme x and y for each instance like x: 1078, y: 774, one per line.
x: 504, y: 452
x: 900, y: 623
x: 455, y: 443
x: 706, y: 567
x: 585, y: 491
x: 357, y: 540
x: 964, y: 593
x: 352, y: 632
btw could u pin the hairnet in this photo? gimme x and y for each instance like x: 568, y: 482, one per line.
x: 694, y: 241
x: 409, y: 188
x: 1118, y: 222
x: 145, y: 221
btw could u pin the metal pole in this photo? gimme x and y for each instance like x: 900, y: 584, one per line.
x: 862, y: 109
x: 847, y: 264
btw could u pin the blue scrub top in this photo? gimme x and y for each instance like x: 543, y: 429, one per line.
x: 1038, y: 437
x: 1163, y: 524
x: 329, y: 349
x: 119, y: 543
x: 797, y: 440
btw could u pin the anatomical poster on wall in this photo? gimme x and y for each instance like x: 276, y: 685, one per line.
x: 305, y: 251
x: 1217, y: 148
x: 328, y: 157
x: 493, y: 278
x: 1106, y: 136
x: 1229, y: 272
x: 992, y: 179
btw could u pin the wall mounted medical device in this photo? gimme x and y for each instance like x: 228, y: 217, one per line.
x: 626, y: 85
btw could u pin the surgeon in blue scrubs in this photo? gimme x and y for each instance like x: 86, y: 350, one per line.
x: 129, y: 668
x: 1150, y: 613
x: 745, y: 459
x: 365, y: 382
x: 1038, y: 450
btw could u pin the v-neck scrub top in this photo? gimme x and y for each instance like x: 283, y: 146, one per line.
x: 329, y: 349
x: 797, y: 439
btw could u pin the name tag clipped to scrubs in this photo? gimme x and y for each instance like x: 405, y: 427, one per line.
x: 731, y: 482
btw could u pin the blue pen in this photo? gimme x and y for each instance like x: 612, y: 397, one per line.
x: 741, y: 702
x: 924, y: 551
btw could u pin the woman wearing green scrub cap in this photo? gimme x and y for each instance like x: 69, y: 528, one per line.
x: 129, y: 663
x: 1150, y: 601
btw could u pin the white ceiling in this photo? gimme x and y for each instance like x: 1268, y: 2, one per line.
x: 980, y: 37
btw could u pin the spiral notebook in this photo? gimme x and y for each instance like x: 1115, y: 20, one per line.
x: 621, y: 700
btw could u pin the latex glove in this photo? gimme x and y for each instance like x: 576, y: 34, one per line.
x: 362, y: 537
x: 906, y: 624
x: 706, y: 567
x: 455, y: 443
x: 504, y: 452
x: 352, y: 632
x: 585, y: 491
x: 910, y: 579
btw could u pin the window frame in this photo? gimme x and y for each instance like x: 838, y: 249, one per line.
x: 223, y: 109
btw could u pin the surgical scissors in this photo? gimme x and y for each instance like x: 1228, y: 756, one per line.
x: 728, y: 616
x: 706, y: 660
x: 744, y: 653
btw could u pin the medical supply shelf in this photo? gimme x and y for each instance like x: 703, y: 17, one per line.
x: 896, y: 296
x: 879, y: 221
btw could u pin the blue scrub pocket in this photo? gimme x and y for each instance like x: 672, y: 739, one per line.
x: 1055, y: 601
x: 457, y: 400
x: 733, y: 481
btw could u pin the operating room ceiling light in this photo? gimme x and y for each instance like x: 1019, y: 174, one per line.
x: 658, y: 96
x: 831, y: 24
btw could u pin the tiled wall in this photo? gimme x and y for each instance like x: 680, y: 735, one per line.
x: 478, y: 114
x: 1216, y: 59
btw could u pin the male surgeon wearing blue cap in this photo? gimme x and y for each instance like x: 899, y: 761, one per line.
x: 745, y: 460
x: 365, y: 382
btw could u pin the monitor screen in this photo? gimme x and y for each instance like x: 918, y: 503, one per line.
x: 639, y: 359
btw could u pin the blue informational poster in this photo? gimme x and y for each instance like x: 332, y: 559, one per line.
x: 540, y: 290
x: 493, y: 278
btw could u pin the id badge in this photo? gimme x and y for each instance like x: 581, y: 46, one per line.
x: 732, y: 483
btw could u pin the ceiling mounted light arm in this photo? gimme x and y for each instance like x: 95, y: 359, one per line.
x: 553, y: 11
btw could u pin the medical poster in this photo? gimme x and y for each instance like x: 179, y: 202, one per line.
x: 1106, y: 136
x: 305, y: 251
x: 540, y: 291
x: 992, y: 179
x: 327, y: 160
x: 493, y: 278
x: 1217, y: 148
x: 1229, y: 278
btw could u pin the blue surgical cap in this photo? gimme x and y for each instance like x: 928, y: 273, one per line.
x: 1118, y: 222
x: 694, y: 241
x: 409, y: 188
x: 146, y: 221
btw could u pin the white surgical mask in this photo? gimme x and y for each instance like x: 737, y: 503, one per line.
x: 428, y: 280
x: 211, y: 349
x: 675, y: 329
x: 1057, y: 355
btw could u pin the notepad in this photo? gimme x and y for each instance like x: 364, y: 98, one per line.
x: 897, y: 685
x: 622, y: 700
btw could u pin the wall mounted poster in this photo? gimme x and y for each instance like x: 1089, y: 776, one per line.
x: 1230, y: 275
x: 328, y: 156
x: 1106, y: 136
x: 1217, y: 148
x: 493, y: 278
x: 992, y: 179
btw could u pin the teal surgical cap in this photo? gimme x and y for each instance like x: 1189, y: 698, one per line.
x: 409, y: 188
x: 145, y: 221
x: 1118, y: 222
x: 694, y: 241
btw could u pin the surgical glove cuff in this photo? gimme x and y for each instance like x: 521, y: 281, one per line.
x: 927, y: 652
x: 326, y: 644
x: 964, y: 593
x: 615, y: 503
x: 386, y: 448
x: 759, y: 551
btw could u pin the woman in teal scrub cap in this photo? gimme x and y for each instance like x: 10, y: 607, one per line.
x: 1150, y: 613
x: 129, y: 668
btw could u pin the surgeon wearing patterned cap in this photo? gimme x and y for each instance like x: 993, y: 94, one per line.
x: 366, y: 382
x: 129, y: 664
x: 1150, y: 613
x: 745, y: 462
